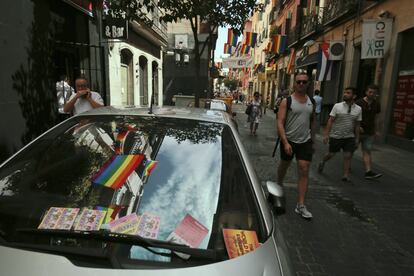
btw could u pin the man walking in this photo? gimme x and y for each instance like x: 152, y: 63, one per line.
x: 84, y: 99
x: 294, y: 127
x: 369, y: 127
x: 318, y: 102
x: 342, y: 130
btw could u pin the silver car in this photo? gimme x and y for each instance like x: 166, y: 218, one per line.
x: 187, y: 202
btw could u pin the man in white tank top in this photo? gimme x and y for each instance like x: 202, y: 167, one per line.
x: 296, y: 132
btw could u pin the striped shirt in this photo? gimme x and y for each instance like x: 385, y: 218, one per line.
x: 344, y: 123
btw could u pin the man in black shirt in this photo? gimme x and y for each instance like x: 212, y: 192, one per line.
x: 369, y: 127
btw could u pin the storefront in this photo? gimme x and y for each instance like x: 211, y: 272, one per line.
x: 401, y: 130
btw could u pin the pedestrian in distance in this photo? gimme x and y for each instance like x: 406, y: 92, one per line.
x: 318, y: 102
x: 295, y: 125
x: 84, y: 99
x: 369, y: 127
x: 255, y: 113
x: 342, y: 131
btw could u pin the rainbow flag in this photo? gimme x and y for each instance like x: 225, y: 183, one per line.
x: 245, y: 49
x: 116, y: 171
x: 231, y: 38
x: 119, y: 142
x: 227, y: 48
x: 149, y: 166
x: 251, y: 39
x: 279, y: 44
x: 290, y: 66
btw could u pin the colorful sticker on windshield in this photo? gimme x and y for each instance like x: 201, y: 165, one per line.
x: 149, y: 225
x: 125, y: 225
x: 111, y: 212
x: 90, y: 220
x: 239, y: 242
x: 59, y: 218
x: 189, y: 231
x: 116, y: 171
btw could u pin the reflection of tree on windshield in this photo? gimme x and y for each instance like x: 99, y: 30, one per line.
x: 34, y: 81
x: 194, y: 131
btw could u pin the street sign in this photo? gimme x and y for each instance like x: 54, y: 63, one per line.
x: 115, y: 28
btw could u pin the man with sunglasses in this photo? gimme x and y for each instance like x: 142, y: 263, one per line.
x: 295, y: 125
x: 342, y: 130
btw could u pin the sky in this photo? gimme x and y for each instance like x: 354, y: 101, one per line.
x: 222, y: 38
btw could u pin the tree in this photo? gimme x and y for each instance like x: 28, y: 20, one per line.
x: 231, y: 84
x: 216, y: 13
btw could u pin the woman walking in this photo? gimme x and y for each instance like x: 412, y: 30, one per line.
x: 255, y: 114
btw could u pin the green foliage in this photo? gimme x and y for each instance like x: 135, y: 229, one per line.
x: 231, y: 83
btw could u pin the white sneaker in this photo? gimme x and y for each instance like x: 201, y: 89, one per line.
x: 301, y: 210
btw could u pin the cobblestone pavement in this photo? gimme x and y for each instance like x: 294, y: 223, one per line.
x: 359, y: 228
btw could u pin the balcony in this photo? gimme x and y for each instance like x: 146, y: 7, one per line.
x: 311, y: 24
x: 336, y: 9
x: 157, y: 25
x: 293, y: 36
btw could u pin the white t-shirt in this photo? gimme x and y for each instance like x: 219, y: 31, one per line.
x: 344, y: 124
x: 82, y: 105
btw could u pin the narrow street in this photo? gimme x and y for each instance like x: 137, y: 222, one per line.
x: 359, y: 228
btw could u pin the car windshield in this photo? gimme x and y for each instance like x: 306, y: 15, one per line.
x: 185, y: 182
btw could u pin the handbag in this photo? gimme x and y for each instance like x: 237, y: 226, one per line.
x: 248, y: 109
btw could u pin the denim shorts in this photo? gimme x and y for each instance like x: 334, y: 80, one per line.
x: 367, y: 141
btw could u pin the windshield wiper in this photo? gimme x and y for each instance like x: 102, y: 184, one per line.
x: 148, y: 244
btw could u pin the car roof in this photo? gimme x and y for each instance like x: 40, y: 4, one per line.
x: 199, y: 114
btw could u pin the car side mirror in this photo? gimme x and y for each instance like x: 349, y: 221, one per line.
x: 276, y: 197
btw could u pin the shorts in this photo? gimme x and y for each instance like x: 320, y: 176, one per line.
x: 346, y: 144
x: 367, y: 141
x: 302, y: 151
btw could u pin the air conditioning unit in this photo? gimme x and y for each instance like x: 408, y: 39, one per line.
x: 336, y: 49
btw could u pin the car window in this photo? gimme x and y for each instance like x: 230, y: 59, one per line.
x: 198, y: 174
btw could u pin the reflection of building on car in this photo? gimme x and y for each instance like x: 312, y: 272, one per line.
x: 135, y: 182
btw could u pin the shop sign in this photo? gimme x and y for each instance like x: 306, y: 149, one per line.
x: 376, y: 37
x: 237, y: 62
x: 115, y: 28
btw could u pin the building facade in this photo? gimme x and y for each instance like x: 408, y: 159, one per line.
x: 135, y: 64
x: 311, y: 25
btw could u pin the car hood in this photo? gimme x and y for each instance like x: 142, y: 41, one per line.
x: 16, y: 262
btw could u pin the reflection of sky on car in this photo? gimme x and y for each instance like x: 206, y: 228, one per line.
x: 186, y: 180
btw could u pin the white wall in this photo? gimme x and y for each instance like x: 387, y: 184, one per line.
x: 115, y: 73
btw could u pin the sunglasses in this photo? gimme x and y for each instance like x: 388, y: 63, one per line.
x: 349, y: 109
x: 301, y: 82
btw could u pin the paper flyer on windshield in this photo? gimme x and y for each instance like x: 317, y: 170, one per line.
x: 59, y: 218
x: 149, y: 225
x: 189, y: 231
x: 125, y: 225
x: 89, y: 220
x: 239, y: 242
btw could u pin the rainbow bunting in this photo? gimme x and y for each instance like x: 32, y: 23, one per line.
x: 111, y: 212
x: 231, y: 38
x: 116, y: 171
x: 149, y: 166
x: 251, y: 39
